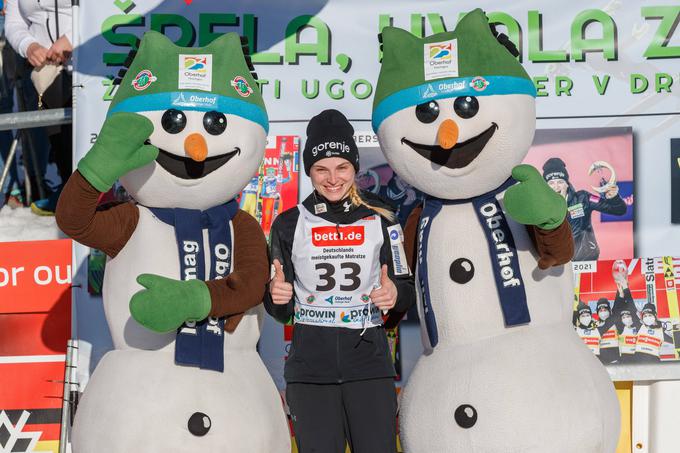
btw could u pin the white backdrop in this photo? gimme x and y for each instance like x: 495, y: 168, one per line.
x: 347, y: 30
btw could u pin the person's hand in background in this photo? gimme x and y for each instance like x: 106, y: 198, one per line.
x: 60, y: 51
x: 36, y: 55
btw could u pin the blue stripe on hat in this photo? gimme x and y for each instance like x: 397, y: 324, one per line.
x: 193, y: 100
x: 448, y: 88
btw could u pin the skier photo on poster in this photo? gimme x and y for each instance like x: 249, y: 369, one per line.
x: 628, y: 312
x: 593, y: 170
x: 274, y: 188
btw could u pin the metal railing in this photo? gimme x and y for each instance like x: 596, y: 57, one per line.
x: 27, y: 120
x: 37, y: 118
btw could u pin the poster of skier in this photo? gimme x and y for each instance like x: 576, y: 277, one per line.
x: 274, y: 188
x: 627, y: 311
x: 593, y: 169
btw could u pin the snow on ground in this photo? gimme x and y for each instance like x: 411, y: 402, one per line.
x: 22, y: 225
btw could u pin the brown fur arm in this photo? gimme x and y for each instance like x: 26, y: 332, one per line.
x: 554, y: 247
x: 244, y: 288
x: 77, y: 216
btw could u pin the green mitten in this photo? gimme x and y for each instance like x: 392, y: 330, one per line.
x: 532, y: 201
x: 119, y: 149
x: 166, y: 303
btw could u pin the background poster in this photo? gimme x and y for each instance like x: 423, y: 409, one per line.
x: 610, y: 64
x: 595, y: 159
x: 645, y: 290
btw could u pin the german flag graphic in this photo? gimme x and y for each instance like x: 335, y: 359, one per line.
x: 30, y: 406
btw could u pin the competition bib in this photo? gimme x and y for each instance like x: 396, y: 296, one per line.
x: 628, y: 341
x: 649, y: 341
x: 591, y: 338
x: 610, y: 339
x: 336, y: 268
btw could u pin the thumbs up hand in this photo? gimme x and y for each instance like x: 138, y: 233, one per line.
x: 280, y: 290
x: 384, y: 296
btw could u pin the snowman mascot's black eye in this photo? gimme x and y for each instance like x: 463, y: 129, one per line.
x: 466, y: 106
x: 214, y: 122
x: 173, y: 121
x: 427, y: 112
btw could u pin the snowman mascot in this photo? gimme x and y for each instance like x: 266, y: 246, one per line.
x: 503, y: 370
x: 187, y: 269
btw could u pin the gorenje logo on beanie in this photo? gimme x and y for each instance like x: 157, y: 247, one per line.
x: 330, y: 134
x: 330, y: 147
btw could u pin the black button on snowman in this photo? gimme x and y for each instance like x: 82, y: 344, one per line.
x: 462, y: 270
x: 199, y: 424
x: 465, y: 416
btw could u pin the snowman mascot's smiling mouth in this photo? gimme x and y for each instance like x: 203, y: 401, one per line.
x: 188, y: 168
x: 461, y: 155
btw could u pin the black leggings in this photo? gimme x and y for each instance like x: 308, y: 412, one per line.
x: 363, y: 413
x: 62, y: 153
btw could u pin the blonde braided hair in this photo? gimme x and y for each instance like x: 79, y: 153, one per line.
x: 356, y: 200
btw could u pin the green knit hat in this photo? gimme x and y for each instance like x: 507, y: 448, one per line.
x: 468, y: 61
x: 214, y: 77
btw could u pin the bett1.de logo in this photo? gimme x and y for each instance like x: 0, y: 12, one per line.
x: 331, y: 236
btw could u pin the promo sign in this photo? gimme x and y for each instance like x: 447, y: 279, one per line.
x: 35, y: 324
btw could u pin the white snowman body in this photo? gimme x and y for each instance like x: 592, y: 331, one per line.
x: 138, y: 399
x: 485, y: 387
x: 533, y: 388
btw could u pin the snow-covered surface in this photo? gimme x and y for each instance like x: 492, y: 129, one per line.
x: 22, y: 225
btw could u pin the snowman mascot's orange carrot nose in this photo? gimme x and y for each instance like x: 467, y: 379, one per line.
x: 447, y: 135
x: 196, y: 147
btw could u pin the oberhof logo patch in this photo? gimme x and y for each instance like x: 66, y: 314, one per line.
x: 440, y: 59
x: 143, y: 80
x: 195, y: 72
x: 241, y: 86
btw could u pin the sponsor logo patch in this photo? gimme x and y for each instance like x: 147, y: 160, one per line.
x: 399, y: 263
x: 331, y: 148
x: 479, y: 83
x: 337, y: 236
x: 320, y: 208
x: 143, y: 80
x: 194, y: 100
x: 359, y: 314
x: 576, y: 211
x: 241, y: 86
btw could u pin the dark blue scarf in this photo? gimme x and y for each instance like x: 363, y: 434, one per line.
x: 201, y: 344
x: 502, y: 252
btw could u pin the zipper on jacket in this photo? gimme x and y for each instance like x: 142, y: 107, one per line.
x: 337, y: 353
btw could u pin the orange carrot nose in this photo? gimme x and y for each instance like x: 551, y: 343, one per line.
x: 196, y: 147
x: 447, y: 136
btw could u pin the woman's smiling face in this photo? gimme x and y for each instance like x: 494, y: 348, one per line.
x: 332, y: 177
